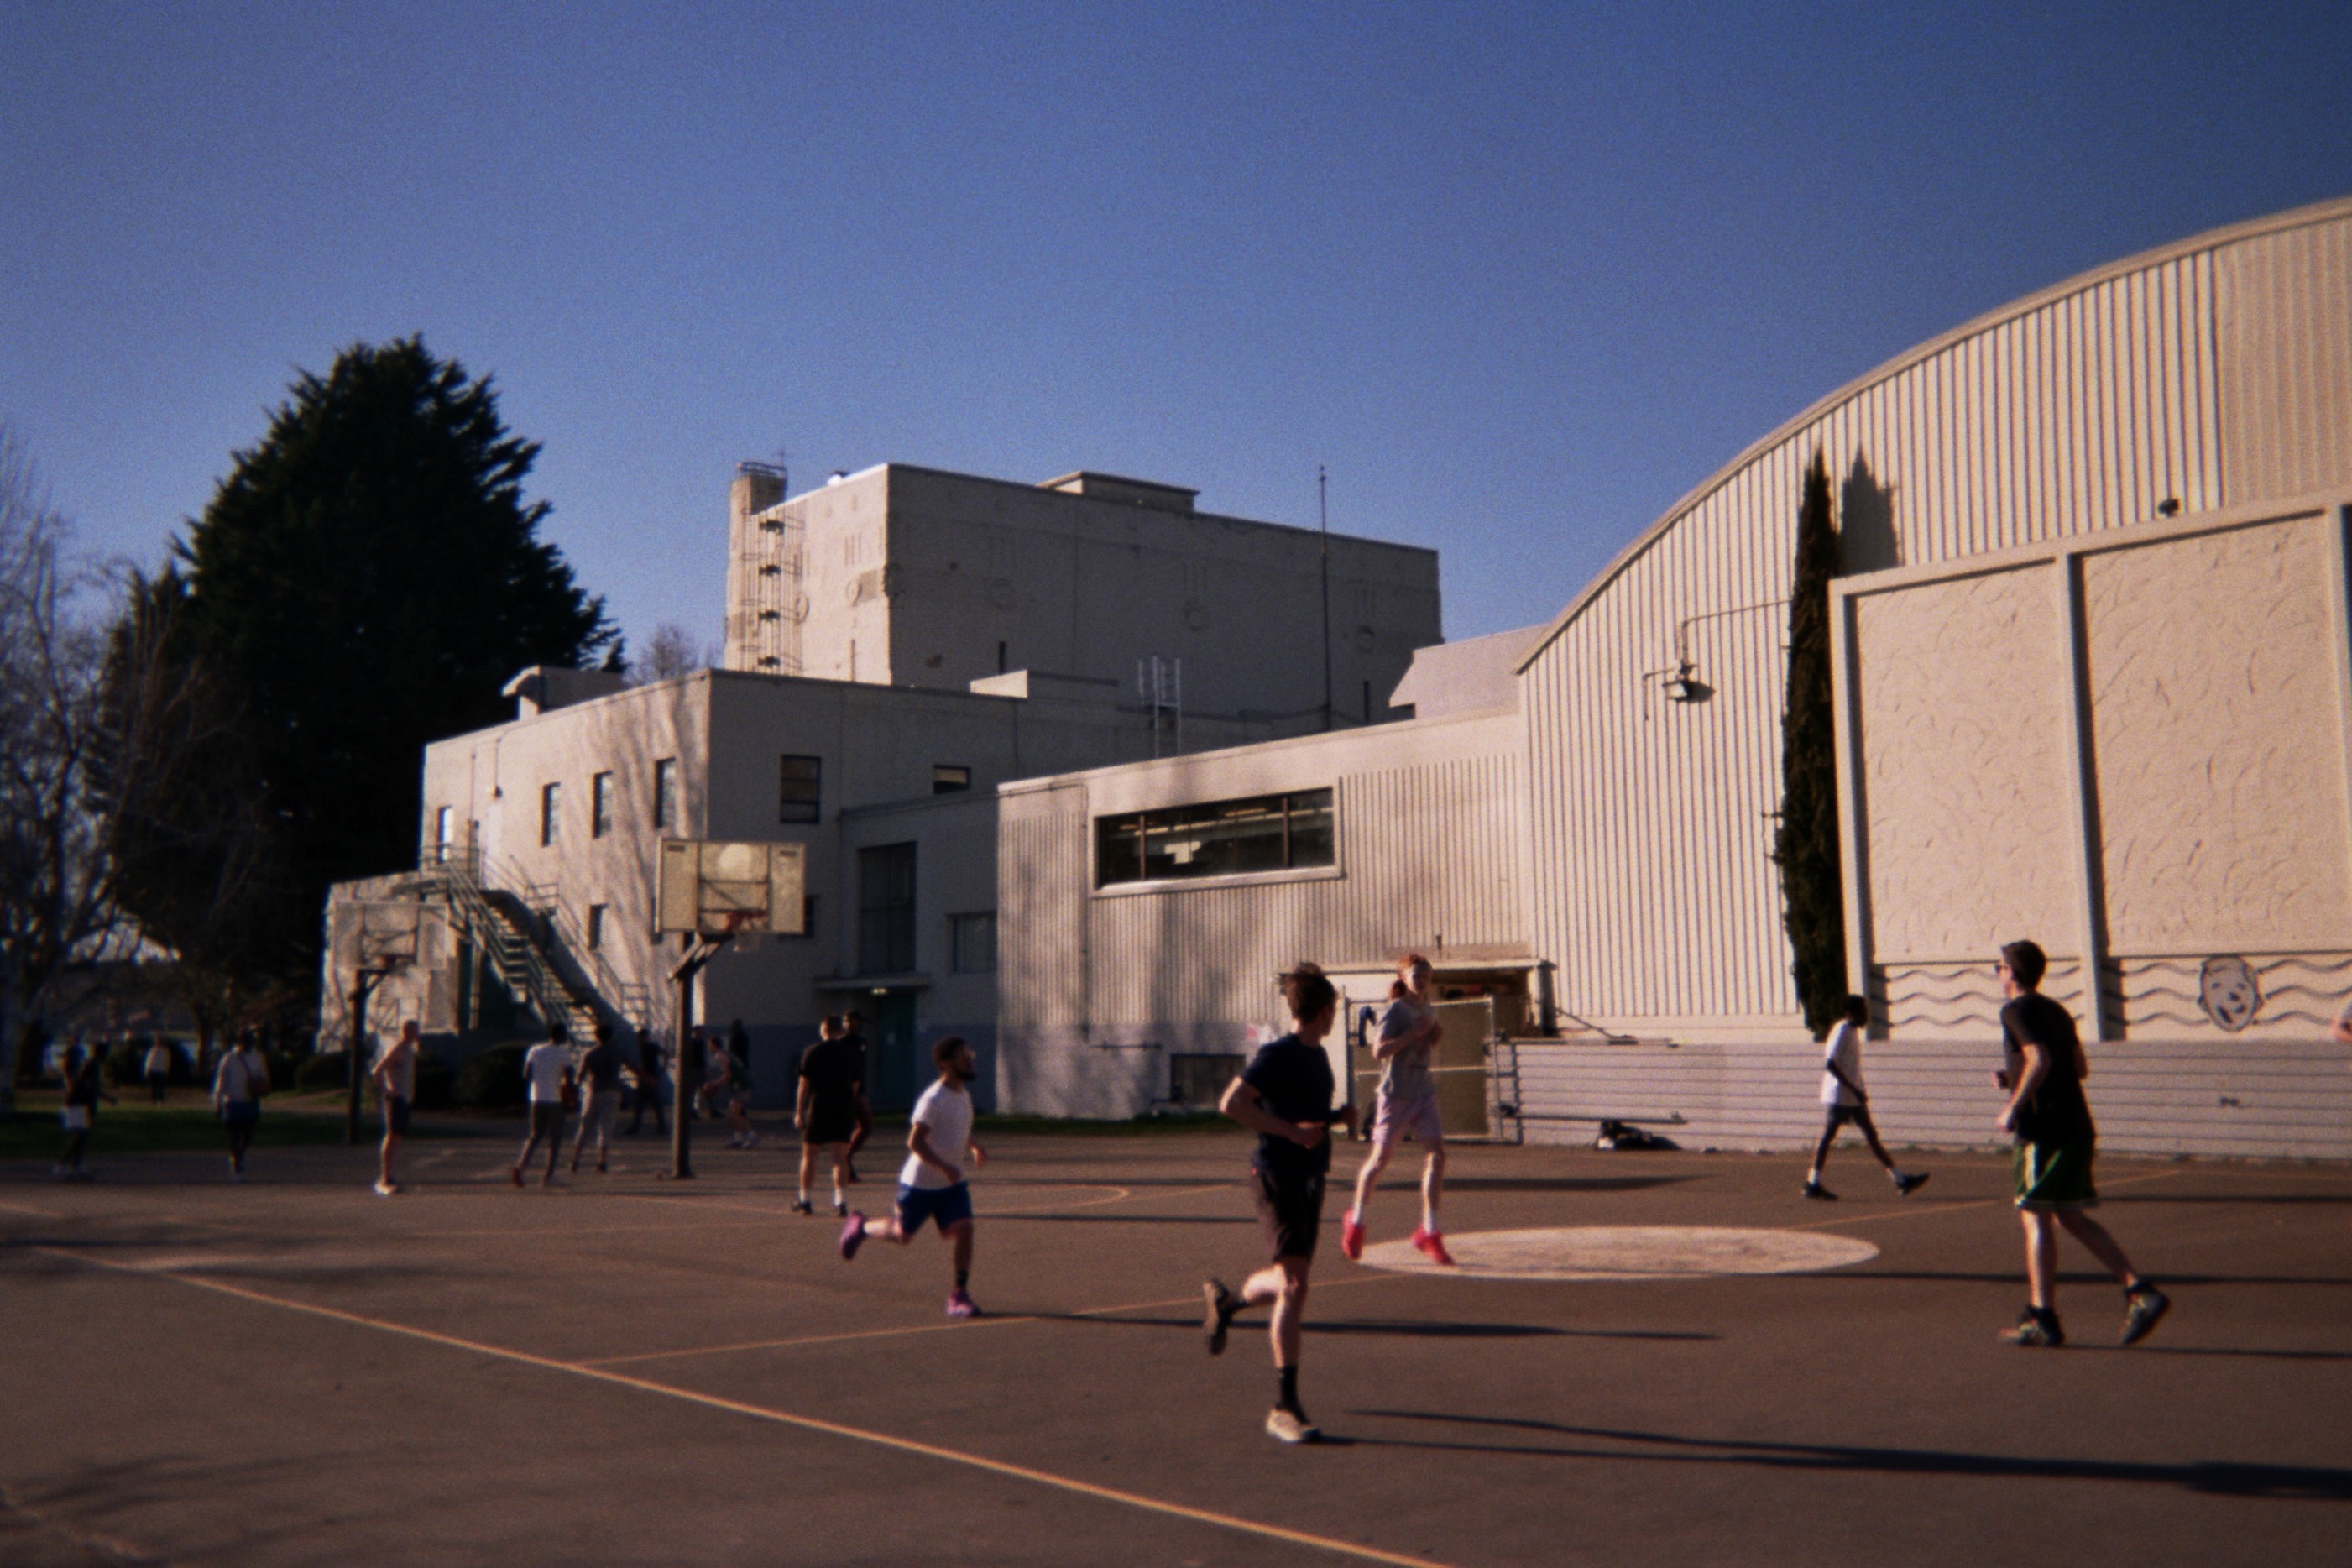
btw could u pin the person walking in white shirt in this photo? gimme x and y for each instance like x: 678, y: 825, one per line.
x: 237, y: 1088
x: 548, y: 1084
x: 396, y: 1081
x: 1843, y: 1100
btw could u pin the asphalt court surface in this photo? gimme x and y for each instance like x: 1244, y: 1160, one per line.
x: 625, y: 1370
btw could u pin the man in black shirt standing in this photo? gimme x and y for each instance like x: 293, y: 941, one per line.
x: 825, y: 1109
x: 1285, y: 1097
x: 2043, y: 1070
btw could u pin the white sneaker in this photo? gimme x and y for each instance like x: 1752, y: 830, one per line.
x: 1289, y: 1426
x: 385, y: 1189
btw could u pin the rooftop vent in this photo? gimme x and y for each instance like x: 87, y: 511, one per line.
x: 1130, y: 492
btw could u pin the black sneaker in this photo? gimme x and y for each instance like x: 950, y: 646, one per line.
x: 1906, y: 1183
x: 2036, y: 1330
x: 2143, y: 1310
x: 1815, y: 1189
x: 1217, y: 1315
x: 1291, y: 1426
x: 801, y: 1205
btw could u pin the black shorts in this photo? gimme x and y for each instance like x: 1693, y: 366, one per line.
x: 1291, y: 1209
x: 830, y: 1124
x: 395, y: 1115
x: 1837, y: 1116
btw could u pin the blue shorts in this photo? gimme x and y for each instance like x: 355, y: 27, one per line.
x: 949, y: 1205
x: 241, y: 1112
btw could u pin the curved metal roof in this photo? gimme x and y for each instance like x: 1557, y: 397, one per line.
x: 2333, y: 210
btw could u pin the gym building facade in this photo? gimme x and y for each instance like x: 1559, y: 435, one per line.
x: 2094, y: 686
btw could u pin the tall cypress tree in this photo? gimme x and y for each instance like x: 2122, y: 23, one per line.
x: 365, y: 581
x: 1806, y: 844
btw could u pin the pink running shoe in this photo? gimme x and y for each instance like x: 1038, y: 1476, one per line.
x: 1351, y: 1239
x: 1432, y: 1243
x: 961, y: 1304
x: 853, y: 1235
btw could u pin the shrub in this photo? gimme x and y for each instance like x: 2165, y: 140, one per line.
x: 492, y: 1080
x: 436, y: 1080
x: 324, y: 1069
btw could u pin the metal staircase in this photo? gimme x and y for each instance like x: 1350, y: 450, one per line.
x: 530, y: 945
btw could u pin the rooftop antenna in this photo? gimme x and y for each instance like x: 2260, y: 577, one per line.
x: 1323, y: 521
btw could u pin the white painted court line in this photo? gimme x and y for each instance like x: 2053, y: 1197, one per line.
x: 1070, y: 1484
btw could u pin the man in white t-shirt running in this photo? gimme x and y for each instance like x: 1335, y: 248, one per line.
x: 546, y: 1080
x: 931, y: 1184
x: 1843, y: 1100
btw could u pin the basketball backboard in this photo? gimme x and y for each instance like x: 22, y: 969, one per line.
x: 715, y: 888
x: 387, y: 932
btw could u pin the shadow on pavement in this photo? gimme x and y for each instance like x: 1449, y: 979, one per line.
x: 2212, y: 1476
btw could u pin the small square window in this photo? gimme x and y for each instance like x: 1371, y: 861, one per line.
x: 665, y: 793
x: 551, y: 815
x: 600, y: 806
x: 596, y: 916
x: 799, y: 792
x: 947, y: 778
x: 972, y: 943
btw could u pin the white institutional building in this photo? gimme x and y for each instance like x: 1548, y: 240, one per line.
x: 900, y: 643
x: 2094, y: 686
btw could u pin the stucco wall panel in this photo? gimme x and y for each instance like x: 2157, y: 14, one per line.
x: 1964, y: 730
x: 2220, y: 744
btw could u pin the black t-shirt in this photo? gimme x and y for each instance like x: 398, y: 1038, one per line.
x: 601, y: 1069
x: 2057, y: 1112
x: 833, y: 1071
x: 1293, y: 1080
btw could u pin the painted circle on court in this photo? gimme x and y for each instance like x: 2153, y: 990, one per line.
x: 1627, y: 1252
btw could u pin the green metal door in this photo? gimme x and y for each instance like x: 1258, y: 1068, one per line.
x: 898, y: 1073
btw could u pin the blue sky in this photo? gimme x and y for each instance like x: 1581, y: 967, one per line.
x: 1520, y: 275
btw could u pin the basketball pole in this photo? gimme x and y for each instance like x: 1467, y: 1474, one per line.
x: 686, y: 1070
x: 365, y: 984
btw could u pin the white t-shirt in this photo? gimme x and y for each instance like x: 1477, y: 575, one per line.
x: 1844, y: 1050
x: 242, y: 1072
x: 544, y: 1067
x: 159, y: 1059
x: 948, y: 1114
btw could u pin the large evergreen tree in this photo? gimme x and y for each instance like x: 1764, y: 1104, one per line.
x: 1806, y: 846
x: 365, y: 581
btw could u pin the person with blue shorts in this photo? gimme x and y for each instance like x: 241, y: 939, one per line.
x: 931, y: 1184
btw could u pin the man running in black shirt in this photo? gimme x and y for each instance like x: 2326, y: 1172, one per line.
x: 1285, y: 1097
x: 2043, y: 1071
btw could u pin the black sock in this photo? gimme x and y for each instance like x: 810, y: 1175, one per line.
x: 963, y: 1277
x: 1289, y: 1400
x: 2139, y: 1284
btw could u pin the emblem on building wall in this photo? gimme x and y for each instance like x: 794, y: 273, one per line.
x: 2229, y: 992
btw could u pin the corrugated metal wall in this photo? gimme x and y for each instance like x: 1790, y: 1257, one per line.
x: 2085, y: 408
x: 1425, y: 854
x: 1042, y: 873
x: 2259, y: 1099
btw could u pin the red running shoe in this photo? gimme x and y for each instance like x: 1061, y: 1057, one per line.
x: 1432, y: 1243
x: 961, y: 1304
x: 1351, y: 1239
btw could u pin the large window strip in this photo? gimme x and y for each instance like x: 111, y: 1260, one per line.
x: 1217, y: 839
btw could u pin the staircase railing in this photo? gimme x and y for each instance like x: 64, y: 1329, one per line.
x: 530, y: 945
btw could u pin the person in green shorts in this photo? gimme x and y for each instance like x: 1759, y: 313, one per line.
x: 2043, y: 1070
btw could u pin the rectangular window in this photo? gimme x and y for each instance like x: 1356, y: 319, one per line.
x: 442, y: 820
x: 799, y: 792
x: 551, y: 815
x: 947, y: 778
x: 596, y: 925
x: 666, y: 794
x: 600, y: 806
x: 972, y: 943
x: 886, y: 909
x: 1219, y: 838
